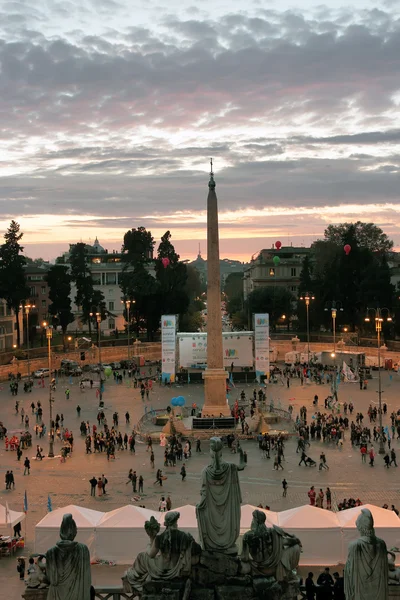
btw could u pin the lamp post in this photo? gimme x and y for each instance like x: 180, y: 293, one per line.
x: 28, y: 308
x: 307, y: 297
x: 335, y: 306
x: 49, y: 335
x: 378, y: 326
x: 128, y: 308
x: 98, y: 320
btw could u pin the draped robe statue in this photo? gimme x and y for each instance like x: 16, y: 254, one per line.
x: 68, y: 565
x: 366, y: 570
x: 169, y: 555
x: 271, y: 551
x: 218, y: 513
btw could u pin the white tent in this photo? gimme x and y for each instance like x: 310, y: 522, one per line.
x: 319, y: 532
x: 120, y: 535
x: 47, y: 531
x: 386, y: 524
x: 9, y: 518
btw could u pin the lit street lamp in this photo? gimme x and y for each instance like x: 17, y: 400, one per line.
x: 378, y: 326
x: 49, y: 335
x: 98, y: 320
x: 28, y: 308
x: 335, y: 306
x: 307, y: 297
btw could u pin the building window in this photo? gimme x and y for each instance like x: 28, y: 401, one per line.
x: 43, y: 289
x: 293, y: 288
x: 32, y: 291
x: 111, y: 278
x: 96, y: 278
x: 111, y: 306
x: 43, y: 303
x: 293, y: 271
x: 272, y: 271
x: 111, y: 323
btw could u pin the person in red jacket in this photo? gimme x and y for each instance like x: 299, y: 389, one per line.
x: 312, y: 496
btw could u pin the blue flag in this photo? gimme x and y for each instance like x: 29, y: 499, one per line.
x: 49, y: 506
x: 25, y: 502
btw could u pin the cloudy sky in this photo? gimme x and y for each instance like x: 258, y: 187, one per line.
x: 111, y: 109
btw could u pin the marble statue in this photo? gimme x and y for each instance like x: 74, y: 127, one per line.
x: 170, y: 554
x: 271, y: 551
x: 68, y: 565
x: 366, y: 570
x: 218, y: 513
x: 394, y: 572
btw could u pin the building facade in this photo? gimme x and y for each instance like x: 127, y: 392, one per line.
x: 264, y: 272
x: 8, y: 329
x: 106, y: 269
x: 38, y: 293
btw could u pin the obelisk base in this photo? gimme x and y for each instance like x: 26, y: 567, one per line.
x: 215, y: 402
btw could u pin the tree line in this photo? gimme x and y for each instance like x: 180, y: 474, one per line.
x: 154, y: 286
x: 353, y: 282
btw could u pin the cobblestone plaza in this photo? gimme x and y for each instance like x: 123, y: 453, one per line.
x: 68, y: 483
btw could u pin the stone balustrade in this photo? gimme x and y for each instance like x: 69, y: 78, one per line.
x: 110, y: 592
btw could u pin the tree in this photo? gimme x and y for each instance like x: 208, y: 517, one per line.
x: 193, y: 286
x: 234, y: 285
x: 273, y: 300
x: 367, y: 235
x: 171, y: 279
x: 59, y: 281
x: 87, y: 298
x: 138, y: 246
x: 13, y: 287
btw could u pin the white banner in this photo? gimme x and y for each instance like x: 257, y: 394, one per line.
x: 168, y: 346
x: 261, y: 344
x: 237, y: 349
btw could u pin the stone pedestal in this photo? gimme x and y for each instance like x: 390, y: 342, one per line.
x: 215, y: 402
x: 394, y: 591
x: 35, y: 594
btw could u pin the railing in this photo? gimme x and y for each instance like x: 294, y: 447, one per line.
x: 113, y: 592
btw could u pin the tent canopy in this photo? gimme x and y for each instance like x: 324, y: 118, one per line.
x: 382, y: 516
x: 308, y: 517
x: 187, y: 519
x: 12, y: 518
x: 126, y: 517
x: 85, y: 518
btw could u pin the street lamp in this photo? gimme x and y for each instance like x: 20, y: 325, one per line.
x: 378, y: 326
x: 98, y: 319
x: 335, y: 306
x: 28, y: 308
x: 128, y: 308
x: 49, y: 335
x: 307, y: 297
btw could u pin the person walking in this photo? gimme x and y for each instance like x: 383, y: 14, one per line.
x: 27, y: 465
x: 104, y: 481
x: 363, y: 451
x: 158, y: 477
x: 393, y: 457
x: 67, y: 393
x: 183, y: 472
x: 99, y: 487
x: 7, y: 480
x: 371, y: 456
x: 320, y: 499
x: 328, y: 495
x: 322, y: 462
x: 169, y: 503
x: 134, y: 481
x: 141, y: 481
x: 284, y: 488
x: 198, y: 445
x: 152, y: 459
x: 303, y: 458
x: 310, y: 587
x: 162, y: 507
x: 127, y: 418
x: 93, y: 484
x: 386, y: 458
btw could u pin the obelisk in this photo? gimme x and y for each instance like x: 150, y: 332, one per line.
x: 214, y: 376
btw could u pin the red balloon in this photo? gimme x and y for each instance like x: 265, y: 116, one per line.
x: 278, y: 245
x: 165, y: 262
x: 347, y: 249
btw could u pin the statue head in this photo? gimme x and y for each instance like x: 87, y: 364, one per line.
x: 216, y: 446
x: 365, y: 523
x: 258, y: 522
x: 171, y: 519
x: 68, y: 529
x: 152, y: 527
